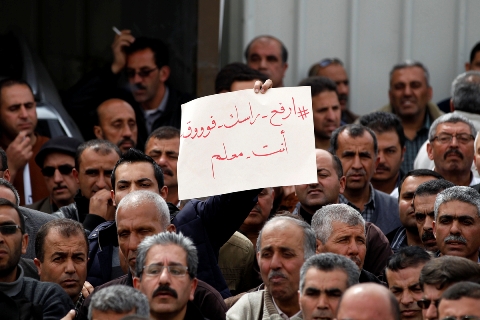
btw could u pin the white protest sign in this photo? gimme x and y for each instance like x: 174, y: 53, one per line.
x: 242, y: 140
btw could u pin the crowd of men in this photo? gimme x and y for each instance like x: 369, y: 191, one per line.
x: 96, y: 229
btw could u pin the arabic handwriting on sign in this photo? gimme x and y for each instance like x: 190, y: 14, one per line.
x: 219, y: 157
x: 302, y: 112
x: 283, y: 149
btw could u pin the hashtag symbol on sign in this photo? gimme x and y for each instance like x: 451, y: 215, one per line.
x: 303, y: 112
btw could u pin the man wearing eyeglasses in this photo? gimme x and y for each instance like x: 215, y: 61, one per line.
x: 56, y: 158
x: 464, y: 102
x: 166, y: 273
x: 23, y: 297
x: 460, y: 302
x: 438, y: 275
x: 451, y: 147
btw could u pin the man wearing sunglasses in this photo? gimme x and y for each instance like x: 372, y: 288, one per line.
x: 56, y: 158
x: 438, y: 275
x: 23, y: 297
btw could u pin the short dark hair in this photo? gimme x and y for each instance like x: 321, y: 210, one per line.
x: 319, y: 84
x: 384, y: 122
x: 66, y: 227
x: 10, y: 186
x: 163, y: 133
x: 447, y: 270
x: 313, y: 71
x: 407, y: 257
x: 159, y: 48
x: 8, y: 82
x: 433, y: 187
x: 284, y: 52
x: 354, y: 131
x: 3, y: 160
x: 133, y: 156
x: 337, y: 165
x: 418, y: 173
x: 463, y: 289
x: 5, y: 202
x: 236, y: 71
x: 474, y: 51
x: 103, y: 147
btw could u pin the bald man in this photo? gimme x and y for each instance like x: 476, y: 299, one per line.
x: 117, y: 124
x: 368, y: 301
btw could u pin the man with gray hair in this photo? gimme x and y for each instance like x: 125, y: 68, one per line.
x: 166, y: 273
x: 118, y: 301
x: 410, y: 94
x: 323, y: 279
x: 340, y: 229
x: 465, y: 102
x: 132, y: 229
x: 283, y: 245
x: 457, y: 222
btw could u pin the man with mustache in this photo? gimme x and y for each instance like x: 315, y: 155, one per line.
x: 451, y: 147
x: 166, y: 271
x: 410, y: 94
x: 18, y: 121
x: 116, y: 122
x: 391, y: 149
x: 407, y: 234
x: 283, y: 246
x: 357, y: 148
x: 403, y: 273
x: 61, y: 247
x: 334, y: 70
x: 340, y: 229
x: 56, y: 158
x: 323, y: 279
x: 330, y: 184
x: 423, y: 205
x: 457, y: 222
x: 163, y: 146
x: 325, y: 107
x: 465, y: 102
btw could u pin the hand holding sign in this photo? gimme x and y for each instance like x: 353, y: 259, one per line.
x: 242, y: 140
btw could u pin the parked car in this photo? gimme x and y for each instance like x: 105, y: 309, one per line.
x: 17, y: 60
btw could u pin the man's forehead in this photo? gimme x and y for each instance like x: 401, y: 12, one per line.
x: 341, y: 228
x: 16, y: 91
x: 335, y: 71
x: 345, y: 138
x: 141, y: 58
x: 264, y: 43
x: 55, y: 237
x: 135, y: 170
x: 170, y: 253
x: 7, y: 193
x: 407, y: 74
x: 450, y: 127
x: 93, y: 154
x: 54, y: 156
x: 411, y: 183
x: 8, y: 214
x: 169, y: 144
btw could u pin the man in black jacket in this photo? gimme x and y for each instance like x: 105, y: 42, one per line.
x: 144, y: 61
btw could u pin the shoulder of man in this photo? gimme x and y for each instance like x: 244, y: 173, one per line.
x: 55, y: 301
x: 249, y: 307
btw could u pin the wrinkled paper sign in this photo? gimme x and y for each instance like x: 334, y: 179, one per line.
x: 242, y: 140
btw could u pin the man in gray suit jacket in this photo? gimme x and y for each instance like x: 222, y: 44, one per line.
x: 33, y: 219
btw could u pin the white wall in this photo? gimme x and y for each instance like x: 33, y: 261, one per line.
x: 370, y: 36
